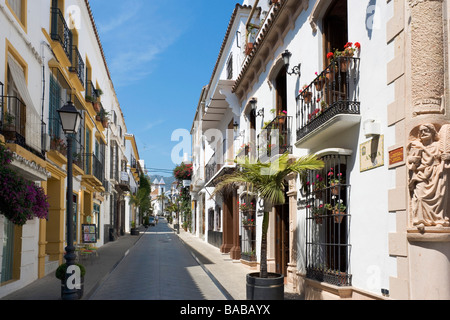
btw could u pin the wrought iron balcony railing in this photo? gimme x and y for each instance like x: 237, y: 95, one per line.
x: 275, y: 138
x: 334, y: 91
x: 14, y: 121
x: 91, y: 93
x: 77, y: 64
x: 21, y: 128
x: 93, y: 166
x: 60, y: 31
x: 213, y: 166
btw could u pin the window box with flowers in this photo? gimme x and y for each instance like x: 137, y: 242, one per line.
x: 343, y: 57
x: 59, y: 145
x: 248, y: 223
x: 247, y: 207
x: 20, y: 200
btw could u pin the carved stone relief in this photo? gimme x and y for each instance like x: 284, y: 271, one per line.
x: 428, y: 161
x: 427, y: 56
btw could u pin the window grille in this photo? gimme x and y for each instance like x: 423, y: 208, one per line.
x: 328, y: 222
x: 230, y: 68
x: 248, y: 228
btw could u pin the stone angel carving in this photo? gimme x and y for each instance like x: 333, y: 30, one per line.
x: 428, y: 161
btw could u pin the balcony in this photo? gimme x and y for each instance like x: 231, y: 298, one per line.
x: 61, y: 34
x: 77, y: 69
x: 330, y: 104
x: 91, y: 94
x: 21, y: 127
x: 94, y: 170
x: 212, y: 167
x: 124, y: 182
x: 275, y: 138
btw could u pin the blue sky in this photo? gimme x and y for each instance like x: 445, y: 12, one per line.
x: 160, y: 55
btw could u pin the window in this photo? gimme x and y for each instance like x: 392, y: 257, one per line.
x: 18, y: 7
x: 230, y: 68
x: 8, y: 251
x: 326, y: 195
x: 335, y: 27
x: 55, y: 98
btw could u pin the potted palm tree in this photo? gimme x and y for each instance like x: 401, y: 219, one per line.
x: 268, y: 181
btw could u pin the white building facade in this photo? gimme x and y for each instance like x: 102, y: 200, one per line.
x: 52, y: 54
x: 361, y: 114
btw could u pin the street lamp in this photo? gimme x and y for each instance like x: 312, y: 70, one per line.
x: 286, y: 59
x: 70, y: 121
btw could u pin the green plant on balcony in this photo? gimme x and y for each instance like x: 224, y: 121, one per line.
x: 318, y: 212
x: 59, y: 145
x: 337, y: 209
x: 103, y: 117
x: 246, y: 206
x: 306, y: 93
x: 9, y: 127
x: 349, y: 51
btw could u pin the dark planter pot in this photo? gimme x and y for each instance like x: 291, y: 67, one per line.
x: 134, y: 231
x: 271, y: 288
x: 80, y: 292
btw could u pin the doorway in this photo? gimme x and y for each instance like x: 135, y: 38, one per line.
x: 282, y: 238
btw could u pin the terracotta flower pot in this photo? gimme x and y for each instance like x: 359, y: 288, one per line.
x: 338, y: 216
x: 335, y: 188
x: 319, y: 83
x: 307, y: 96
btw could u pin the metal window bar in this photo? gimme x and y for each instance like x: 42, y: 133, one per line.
x: 60, y: 31
x: 334, y: 91
x: 14, y: 120
x: 248, y: 231
x: 77, y: 64
x: 274, y: 143
x: 328, y: 247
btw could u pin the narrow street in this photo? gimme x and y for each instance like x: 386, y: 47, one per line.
x: 158, y: 267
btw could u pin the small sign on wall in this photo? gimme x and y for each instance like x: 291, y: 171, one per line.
x: 396, y: 156
x: 371, y: 154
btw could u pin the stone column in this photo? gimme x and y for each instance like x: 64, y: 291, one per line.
x: 427, y: 56
x: 292, y: 279
x: 428, y: 154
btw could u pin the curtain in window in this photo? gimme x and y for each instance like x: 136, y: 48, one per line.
x: 16, y: 6
x: 32, y: 124
x: 8, y: 251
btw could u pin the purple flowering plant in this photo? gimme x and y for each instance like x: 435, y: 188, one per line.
x: 20, y: 200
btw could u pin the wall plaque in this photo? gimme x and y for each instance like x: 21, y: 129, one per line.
x: 372, y: 154
x: 396, y: 156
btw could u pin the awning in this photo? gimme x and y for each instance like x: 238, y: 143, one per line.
x: 20, y: 82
